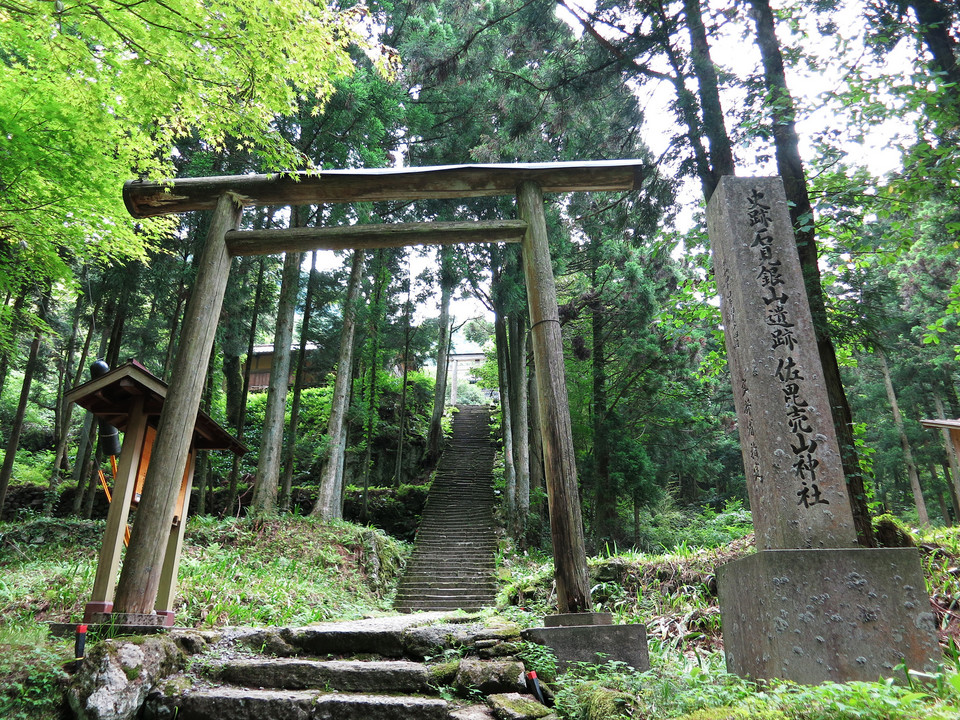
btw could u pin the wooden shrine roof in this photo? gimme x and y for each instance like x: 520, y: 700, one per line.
x: 148, y: 199
x: 947, y: 424
x: 111, y: 396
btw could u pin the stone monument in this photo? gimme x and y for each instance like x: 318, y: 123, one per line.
x: 809, y: 606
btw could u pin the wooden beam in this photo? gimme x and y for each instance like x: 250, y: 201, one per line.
x: 566, y: 523
x: 365, y: 237
x: 147, y: 199
x: 142, y: 567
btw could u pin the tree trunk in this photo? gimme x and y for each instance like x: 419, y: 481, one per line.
x: 519, y: 420
x: 721, y: 154
x: 954, y: 498
x: 790, y: 168
x: 375, y: 332
x: 18, y: 304
x: 14, y: 440
x: 264, y: 500
x: 933, y: 19
x: 83, y: 450
x: 202, y: 468
x: 241, y: 419
x: 941, y: 501
x: 233, y: 387
x: 506, y: 424
x: 904, y: 443
x: 92, y: 477
x: 329, y: 505
x: 447, y: 280
x: 65, y: 409
x: 536, y: 445
x: 606, y: 494
x: 402, y: 421
x: 287, y: 484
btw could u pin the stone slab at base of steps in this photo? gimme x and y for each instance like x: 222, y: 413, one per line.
x: 230, y: 703
x: 367, y: 676
x: 268, y: 673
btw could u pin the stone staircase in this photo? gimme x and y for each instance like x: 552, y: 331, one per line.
x: 453, y: 557
x: 427, y: 666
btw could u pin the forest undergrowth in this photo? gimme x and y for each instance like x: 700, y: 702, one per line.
x: 297, y: 571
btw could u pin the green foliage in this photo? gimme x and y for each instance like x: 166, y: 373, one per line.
x: 32, y: 680
x: 90, y: 96
x: 540, y: 659
x: 668, y: 528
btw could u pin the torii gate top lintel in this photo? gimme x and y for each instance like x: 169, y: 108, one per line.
x: 148, y: 199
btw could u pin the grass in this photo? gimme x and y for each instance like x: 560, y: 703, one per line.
x: 289, y: 571
x: 31, y: 673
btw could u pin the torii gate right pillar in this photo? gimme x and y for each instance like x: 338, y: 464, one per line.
x: 566, y: 523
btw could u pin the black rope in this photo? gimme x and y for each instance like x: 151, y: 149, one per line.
x: 556, y: 320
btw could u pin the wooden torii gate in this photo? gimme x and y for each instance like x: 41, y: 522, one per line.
x: 140, y: 576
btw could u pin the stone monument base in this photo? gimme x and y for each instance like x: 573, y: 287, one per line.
x: 812, y: 616
x: 590, y: 637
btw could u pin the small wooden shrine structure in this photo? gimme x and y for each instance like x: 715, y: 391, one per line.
x: 227, y: 196
x: 131, y: 399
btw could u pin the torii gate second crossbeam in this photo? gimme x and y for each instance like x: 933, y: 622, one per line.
x: 139, y: 579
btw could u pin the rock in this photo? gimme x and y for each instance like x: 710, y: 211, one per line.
x: 191, y: 642
x: 503, y: 631
x: 473, y: 712
x: 114, y: 679
x: 269, y: 641
x: 432, y: 640
x: 514, y: 706
x: 489, y: 676
x: 502, y: 649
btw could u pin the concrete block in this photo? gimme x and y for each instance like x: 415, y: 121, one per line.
x: 812, y: 616
x: 594, y: 644
x: 582, y: 618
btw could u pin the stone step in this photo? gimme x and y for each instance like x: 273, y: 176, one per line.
x: 247, y: 704
x: 462, y: 607
x: 418, y: 575
x: 453, y: 559
x: 421, y: 579
x: 476, y: 547
x: 442, y: 583
x: 373, y: 676
x: 448, y: 552
x: 434, y: 567
x: 478, y: 594
x: 438, y: 601
x: 450, y: 568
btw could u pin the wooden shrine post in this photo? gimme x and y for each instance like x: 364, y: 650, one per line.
x: 140, y: 578
x: 566, y: 524
x: 101, y: 600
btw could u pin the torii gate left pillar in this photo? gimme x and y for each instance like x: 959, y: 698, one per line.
x: 143, y: 569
